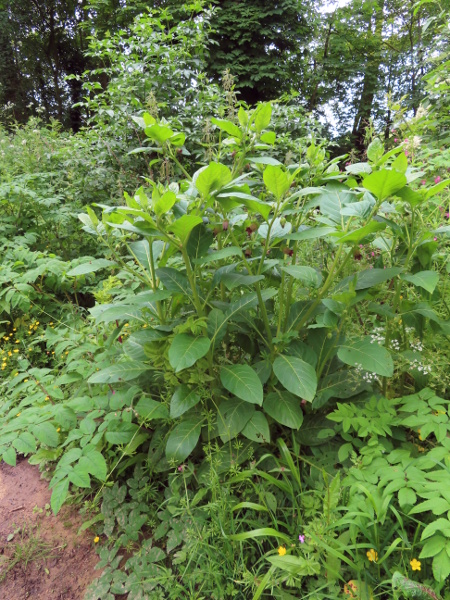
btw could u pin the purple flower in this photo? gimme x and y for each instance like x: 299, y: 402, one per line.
x: 301, y: 539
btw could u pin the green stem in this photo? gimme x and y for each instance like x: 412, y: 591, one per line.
x: 190, y: 275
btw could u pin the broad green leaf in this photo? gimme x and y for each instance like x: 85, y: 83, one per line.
x: 437, y: 188
x: 59, y: 494
x: 90, y: 267
x: 309, y: 276
x: 149, y: 409
x: 264, y: 160
x: 278, y: 230
x: 295, y: 565
x: 177, y: 139
x: 370, y: 277
x: 199, y: 242
x: 9, y: 456
x: 121, y: 433
x: 217, y: 255
x: 441, y: 566
x: 441, y: 526
x: 46, y: 433
x: 284, y: 408
x: 213, y: 178
x: 183, y: 439
x: 269, y: 137
x: 185, y: 350
x: 360, y: 209
x: 310, y: 233
x: 375, y: 150
x: 173, y: 280
x: 183, y: 400
x: 276, y: 180
x: 400, y: 164
x: 79, y: 477
x: 433, y: 546
x: 243, y: 382
x: 159, y: 133
x: 229, y: 127
x: 427, y: 280
x: 297, y: 376
x: 384, y: 183
x: 357, y: 168
x: 234, y: 280
x: 25, y: 443
x: 124, y: 371
x: 332, y: 200
x: 93, y: 462
x: 262, y: 116
x: 165, y: 203
x: 232, y: 417
x: 257, y: 429
x: 183, y: 226
x: 354, y: 237
x: 253, y: 204
x: 216, y: 326
x: 368, y: 356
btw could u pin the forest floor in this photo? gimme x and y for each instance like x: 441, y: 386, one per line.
x: 41, y: 556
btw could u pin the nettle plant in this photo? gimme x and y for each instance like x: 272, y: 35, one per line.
x: 252, y: 300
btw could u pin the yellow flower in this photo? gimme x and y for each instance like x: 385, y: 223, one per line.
x: 59, y: 429
x: 415, y: 564
x: 47, y: 397
x: 25, y: 380
x: 96, y: 539
x: 372, y: 555
x: 18, y: 414
x: 16, y: 350
x: 420, y: 436
x: 281, y: 550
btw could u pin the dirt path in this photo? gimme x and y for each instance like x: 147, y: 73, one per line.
x: 45, y: 559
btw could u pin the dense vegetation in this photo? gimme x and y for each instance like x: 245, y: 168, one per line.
x: 223, y: 336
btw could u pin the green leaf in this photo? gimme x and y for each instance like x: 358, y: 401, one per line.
x: 384, y: 183
x: 183, y: 226
x: 433, y: 546
x: 370, y: 277
x: 262, y: 116
x: 257, y: 429
x: 284, y: 408
x: 375, y: 150
x: 25, y: 443
x: 173, y: 280
x: 295, y: 565
x: 441, y: 526
x: 148, y: 409
x: 219, y: 255
x: 183, y: 400
x: 199, y: 242
x: 437, y: 505
x: 243, y: 382
x: 213, y: 178
x: 185, y: 350
x: 232, y: 417
x: 165, y: 203
x: 46, y: 433
x: 427, y: 280
x: 269, y: 137
x: 59, y: 494
x: 79, y: 477
x: 311, y: 233
x: 253, y: 204
x: 370, y: 356
x: 124, y: 371
x: 9, y: 456
x: 93, y: 462
x: 309, y: 276
x: 90, y: 267
x: 297, y: 376
x: 159, y: 133
x: 229, y: 127
x: 333, y: 199
x: 400, y: 164
x: 406, y: 496
x: 276, y: 180
x: 354, y: 237
x: 234, y: 280
x: 441, y: 566
x: 183, y: 439
x: 437, y: 188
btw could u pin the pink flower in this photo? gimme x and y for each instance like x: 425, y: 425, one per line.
x: 437, y: 179
x: 406, y: 140
x: 435, y: 239
x: 301, y: 539
x: 423, y: 182
x: 373, y: 253
x: 395, y: 139
x: 406, y: 152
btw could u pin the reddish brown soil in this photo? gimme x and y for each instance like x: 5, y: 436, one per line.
x: 61, y: 565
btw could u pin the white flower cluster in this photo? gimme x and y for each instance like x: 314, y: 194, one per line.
x: 395, y: 344
x: 416, y: 345
x: 377, y: 335
x: 366, y: 375
x: 417, y: 364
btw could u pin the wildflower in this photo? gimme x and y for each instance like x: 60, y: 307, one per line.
x: 372, y: 555
x: 423, y: 181
x: 420, y: 435
x: 96, y: 539
x: 281, y: 550
x: 395, y: 139
x: 18, y: 414
x: 415, y: 564
x: 25, y: 380
x: 301, y: 539
x: 437, y: 179
x: 58, y: 430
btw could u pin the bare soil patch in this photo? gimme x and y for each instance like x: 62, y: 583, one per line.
x: 46, y: 559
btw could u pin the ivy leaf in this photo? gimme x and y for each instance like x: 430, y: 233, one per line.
x: 186, y: 350
x: 243, y: 382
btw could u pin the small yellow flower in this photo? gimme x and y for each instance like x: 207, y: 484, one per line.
x: 281, y: 550
x: 420, y: 436
x: 15, y: 374
x: 415, y: 564
x: 25, y: 380
x: 17, y: 341
x: 14, y: 329
x: 47, y: 397
x: 372, y: 555
x: 18, y: 414
x: 59, y: 429
x: 16, y: 350
x: 96, y: 539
